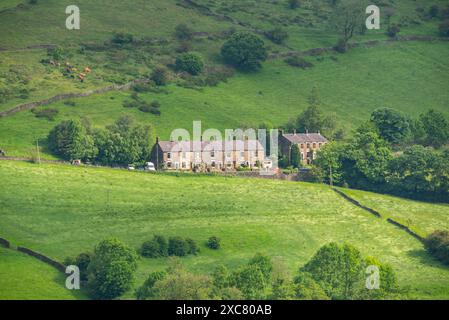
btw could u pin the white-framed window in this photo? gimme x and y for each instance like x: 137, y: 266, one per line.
x: 212, y: 154
x: 168, y: 155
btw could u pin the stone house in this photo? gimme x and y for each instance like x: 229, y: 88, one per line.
x: 208, y: 155
x: 308, y: 144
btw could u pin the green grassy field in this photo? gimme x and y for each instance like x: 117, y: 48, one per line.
x: 421, y: 217
x: 61, y: 210
x: 25, y: 278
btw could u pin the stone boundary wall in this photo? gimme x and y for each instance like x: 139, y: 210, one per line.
x: 378, y: 215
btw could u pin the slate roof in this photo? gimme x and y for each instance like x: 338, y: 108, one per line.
x: 188, y: 146
x: 304, y: 137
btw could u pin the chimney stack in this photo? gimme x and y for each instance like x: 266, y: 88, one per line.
x: 157, y: 139
x: 307, y: 131
x: 294, y: 132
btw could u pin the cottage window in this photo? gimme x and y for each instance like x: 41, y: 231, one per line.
x: 169, y: 155
x: 212, y: 154
x: 314, y: 145
x: 302, y: 145
x: 257, y: 153
x: 308, y: 145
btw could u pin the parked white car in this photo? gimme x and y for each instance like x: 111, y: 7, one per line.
x: 149, y: 166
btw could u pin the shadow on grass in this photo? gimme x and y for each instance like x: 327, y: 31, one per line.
x: 426, y: 258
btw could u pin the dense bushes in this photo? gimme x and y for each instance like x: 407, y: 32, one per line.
x: 341, y: 271
x: 82, y: 261
x: 175, y: 246
x: 214, y: 243
x: 189, y: 62
x: 122, y: 143
x: 70, y: 140
x: 334, y: 272
x: 369, y: 162
x: 155, y: 248
x: 160, y: 76
x: 437, y: 244
x: 244, y: 50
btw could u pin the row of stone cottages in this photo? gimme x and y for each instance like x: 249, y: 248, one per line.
x: 230, y: 155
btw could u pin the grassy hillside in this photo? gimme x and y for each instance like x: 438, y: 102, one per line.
x: 25, y: 278
x: 410, y: 76
x: 62, y: 210
x: 421, y: 217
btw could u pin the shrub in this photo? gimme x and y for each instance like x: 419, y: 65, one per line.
x: 110, y: 272
x: 122, y: 38
x: 244, y: 50
x: 277, y: 35
x: 444, y: 28
x: 146, y: 291
x: 183, y: 32
x: 433, y: 11
x: 155, y: 248
x: 70, y: 103
x: 190, y: 62
x: 160, y: 76
x: 193, y: 248
x: 178, y: 246
x: 293, y: 4
x: 393, y: 30
x: 437, y: 244
x: 49, y: 114
x: 298, y: 62
x: 82, y: 261
x: 214, y: 243
x: 155, y: 104
x: 57, y: 53
x: 130, y: 104
x: 341, y: 46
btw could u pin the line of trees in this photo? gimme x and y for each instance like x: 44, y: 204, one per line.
x: 122, y: 143
x: 334, y: 272
x: 392, y: 154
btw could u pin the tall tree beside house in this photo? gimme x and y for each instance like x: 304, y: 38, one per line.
x: 295, y: 156
x: 329, y: 162
x: 365, y: 162
x: 436, y: 128
x: 392, y: 125
x: 313, y: 119
x: 70, y: 140
x: 124, y: 142
x: 414, y: 171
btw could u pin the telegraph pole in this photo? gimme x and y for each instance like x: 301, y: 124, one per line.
x: 38, y: 154
x: 331, y: 182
